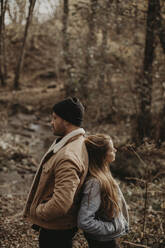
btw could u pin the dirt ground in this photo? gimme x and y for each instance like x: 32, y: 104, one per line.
x: 25, y: 135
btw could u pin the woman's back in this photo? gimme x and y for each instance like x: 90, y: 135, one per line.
x: 103, y: 214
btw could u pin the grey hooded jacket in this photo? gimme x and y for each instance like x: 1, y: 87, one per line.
x: 95, y: 225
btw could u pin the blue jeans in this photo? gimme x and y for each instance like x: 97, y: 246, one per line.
x: 56, y: 238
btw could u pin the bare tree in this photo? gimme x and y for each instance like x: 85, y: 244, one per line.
x: 89, y: 50
x: 104, y: 46
x: 22, y: 52
x: 160, y: 29
x: 17, y: 11
x: 159, y: 132
x: 3, y: 68
x: 67, y: 60
x: 144, y: 82
x: 65, y: 26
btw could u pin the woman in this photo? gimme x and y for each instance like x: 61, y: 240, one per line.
x: 103, y: 214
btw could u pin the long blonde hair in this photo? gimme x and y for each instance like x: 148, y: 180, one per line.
x: 98, y: 146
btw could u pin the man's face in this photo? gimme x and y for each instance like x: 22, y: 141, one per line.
x: 58, y: 125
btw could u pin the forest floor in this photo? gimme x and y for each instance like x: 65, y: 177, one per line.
x: 25, y: 136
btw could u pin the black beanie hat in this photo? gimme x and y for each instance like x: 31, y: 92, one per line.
x: 71, y: 110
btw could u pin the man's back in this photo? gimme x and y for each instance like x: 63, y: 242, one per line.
x: 54, y: 204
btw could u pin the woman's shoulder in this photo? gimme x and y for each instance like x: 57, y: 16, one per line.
x: 91, y: 184
x: 92, y: 180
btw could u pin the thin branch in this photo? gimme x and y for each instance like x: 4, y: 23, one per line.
x: 136, y: 179
x: 134, y: 244
x: 141, y: 160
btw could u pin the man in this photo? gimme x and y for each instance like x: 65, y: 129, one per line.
x: 53, y: 201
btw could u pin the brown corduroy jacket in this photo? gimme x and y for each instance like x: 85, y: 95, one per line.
x: 53, y: 201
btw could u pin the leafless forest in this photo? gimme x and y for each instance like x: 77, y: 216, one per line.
x: 110, y: 54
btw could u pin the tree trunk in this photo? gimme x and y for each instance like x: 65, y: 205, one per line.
x: 70, y: 84
x: 159, y: 26
x: 104, y: 47
x: 145, y: 81
x: 65, y: 35
x: 159, y: 132
x: 69, y: 88
x: 118, y: 29
x: 22, y: 52
x: 89, y: 50
x: 3, y: 68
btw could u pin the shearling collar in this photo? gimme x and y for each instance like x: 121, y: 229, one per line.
x: 56, y: 147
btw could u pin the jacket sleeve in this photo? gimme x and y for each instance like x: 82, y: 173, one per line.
x: 66, y: 183
x: 90, y: 204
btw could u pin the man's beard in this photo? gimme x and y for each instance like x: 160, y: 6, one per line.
x: 60, y: 132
